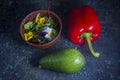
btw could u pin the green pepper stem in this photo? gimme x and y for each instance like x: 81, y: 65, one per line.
x: 87, y: 36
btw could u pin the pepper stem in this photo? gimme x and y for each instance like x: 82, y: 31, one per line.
x: 87, y: 36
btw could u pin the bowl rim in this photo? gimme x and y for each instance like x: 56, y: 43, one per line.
x: 46, y: 44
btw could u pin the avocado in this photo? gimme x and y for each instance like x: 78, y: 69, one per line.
x: 67, y: 60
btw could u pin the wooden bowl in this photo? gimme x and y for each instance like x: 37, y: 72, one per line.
x: 31, y: 17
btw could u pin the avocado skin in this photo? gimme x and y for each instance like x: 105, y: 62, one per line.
x: 68, y: 60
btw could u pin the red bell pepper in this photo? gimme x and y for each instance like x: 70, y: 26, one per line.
x: 84, y: 27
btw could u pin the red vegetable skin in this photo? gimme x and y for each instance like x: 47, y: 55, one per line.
x: 84, y: 27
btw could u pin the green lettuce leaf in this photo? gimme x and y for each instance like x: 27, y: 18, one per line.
x: 28, y: 25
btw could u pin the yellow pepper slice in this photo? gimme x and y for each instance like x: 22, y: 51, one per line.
x: 28, y: 36
x: 39, y: 20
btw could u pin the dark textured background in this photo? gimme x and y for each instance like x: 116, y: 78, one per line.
x: 18, y: 60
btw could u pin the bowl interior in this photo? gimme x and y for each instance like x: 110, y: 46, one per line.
x: 31, y: 17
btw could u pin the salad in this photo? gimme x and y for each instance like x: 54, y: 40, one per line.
x: 41, y: 30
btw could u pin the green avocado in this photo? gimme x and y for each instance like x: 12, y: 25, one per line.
x: 68, y: 60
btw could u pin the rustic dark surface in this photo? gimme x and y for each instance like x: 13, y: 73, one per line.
x: 18, y: 61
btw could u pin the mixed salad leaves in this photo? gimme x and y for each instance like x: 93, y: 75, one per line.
x: 42, y: 29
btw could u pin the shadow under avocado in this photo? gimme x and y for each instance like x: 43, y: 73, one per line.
x: 35, y: 58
